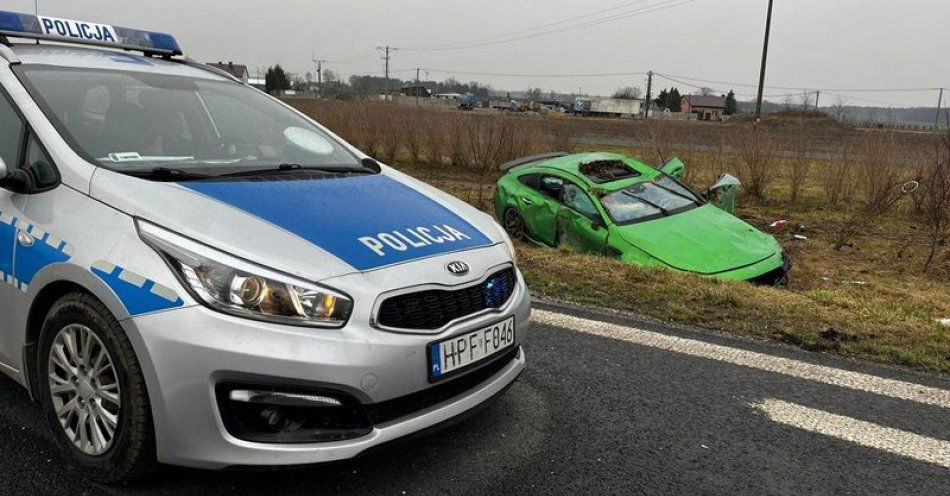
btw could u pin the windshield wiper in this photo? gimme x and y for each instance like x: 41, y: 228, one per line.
x: 677, y: 193
x: 282, y: 168
x: 648, y: 202
x: 167, y: 174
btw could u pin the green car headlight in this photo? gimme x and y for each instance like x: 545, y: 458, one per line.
x: 234, y: 286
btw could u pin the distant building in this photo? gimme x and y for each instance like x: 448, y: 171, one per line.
x: 258, y: 83
x: 448, y: 96
x: 416, y: 90
x: 237, y: 70
x: 706, y: 107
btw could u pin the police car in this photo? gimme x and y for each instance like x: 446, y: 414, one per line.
x: 194, y: 273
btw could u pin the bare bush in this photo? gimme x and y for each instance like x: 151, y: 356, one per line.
x: 492, y: 142
x: 757, y: 153
x: 935, y: 204
x: 879, y: 175
x: 561, y: 137
x: 435, y: 138
x: 459, y: 147
x: 414, y: 136
x: 800, y: 163
x: 839, y: 180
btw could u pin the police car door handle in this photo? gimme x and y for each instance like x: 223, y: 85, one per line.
x: 25, y: 239
x: 527, y: 201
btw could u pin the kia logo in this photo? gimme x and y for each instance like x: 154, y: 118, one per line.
x: 457, y: 268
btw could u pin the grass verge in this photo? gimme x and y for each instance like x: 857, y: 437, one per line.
x: 843, y: 317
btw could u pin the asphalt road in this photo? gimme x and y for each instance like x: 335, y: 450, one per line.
x: 626, y: 407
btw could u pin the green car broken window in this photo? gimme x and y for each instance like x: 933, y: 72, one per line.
x: 645, y: 201
x: 576, y: 198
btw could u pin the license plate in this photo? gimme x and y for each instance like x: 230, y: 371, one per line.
x: 460, y: 351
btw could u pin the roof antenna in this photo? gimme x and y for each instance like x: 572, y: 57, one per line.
x: 36, y: 12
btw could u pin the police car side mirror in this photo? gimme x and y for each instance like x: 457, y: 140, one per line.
x: 16, y: 181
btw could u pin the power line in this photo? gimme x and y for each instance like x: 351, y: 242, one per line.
x: 663, y: 5
x: 529, y: 29
x: 499, y: 74
x: 774, y: 87
x: 366, y: 54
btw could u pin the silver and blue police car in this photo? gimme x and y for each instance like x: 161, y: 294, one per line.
x: 194, y: 273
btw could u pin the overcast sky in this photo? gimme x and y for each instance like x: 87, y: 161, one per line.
x: 828, y: 44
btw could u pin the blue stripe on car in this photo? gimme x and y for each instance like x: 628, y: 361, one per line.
x: 19, y: 264
x: 141, y: 295
x: 366, y: 221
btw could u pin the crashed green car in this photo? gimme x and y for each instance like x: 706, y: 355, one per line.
x: 613, y: 205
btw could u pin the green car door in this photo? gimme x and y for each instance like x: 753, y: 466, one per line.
x: 579, y: 222
x: 537, y: 200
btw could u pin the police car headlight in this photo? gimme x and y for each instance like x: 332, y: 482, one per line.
x: 237, y: 287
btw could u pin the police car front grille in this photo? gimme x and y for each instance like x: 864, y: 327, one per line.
x: 434, y: 308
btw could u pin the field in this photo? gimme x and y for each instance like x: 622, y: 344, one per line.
x: 871, y: 280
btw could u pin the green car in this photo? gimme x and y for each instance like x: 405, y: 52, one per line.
x: 612, y: 205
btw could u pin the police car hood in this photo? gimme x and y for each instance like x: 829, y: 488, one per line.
x: 311, y: 228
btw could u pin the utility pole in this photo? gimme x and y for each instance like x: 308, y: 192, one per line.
x: 939, y: 104
x: 387, y: 52
x: 646, y: 111
x: 416, y: 89
x: 817, y: 96
x: 319, y: 75
x: 765, y: 51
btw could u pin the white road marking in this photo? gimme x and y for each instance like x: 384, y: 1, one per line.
x: 898, y: 442
x: 795, y: 368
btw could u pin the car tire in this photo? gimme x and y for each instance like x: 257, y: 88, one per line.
x: 515, y: 225
x: 100, y: 388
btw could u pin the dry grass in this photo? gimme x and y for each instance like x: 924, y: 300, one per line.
x: 877, y: 321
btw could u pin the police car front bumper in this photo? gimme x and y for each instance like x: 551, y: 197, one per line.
x: 188, y: 354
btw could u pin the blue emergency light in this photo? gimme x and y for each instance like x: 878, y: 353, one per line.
x: 88, y: 33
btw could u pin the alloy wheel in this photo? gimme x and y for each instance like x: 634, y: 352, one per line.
x: 514, y: 224
x: 85, y: 388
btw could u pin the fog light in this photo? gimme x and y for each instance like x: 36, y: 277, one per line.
x: 290, y: 415
x: 285, y: 399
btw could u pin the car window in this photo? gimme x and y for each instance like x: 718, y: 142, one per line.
x: 625, y: 209
x: 11, y: 134
x: 551, y: 186
x: 574, y: 197
x: 39, y: 165
x: 644, y: 201
x: 605, y: 171
x: 532, y: 181
x: 126, y: 121
x: 674, y: 186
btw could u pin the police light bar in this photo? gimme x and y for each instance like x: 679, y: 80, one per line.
x: 87, y: 33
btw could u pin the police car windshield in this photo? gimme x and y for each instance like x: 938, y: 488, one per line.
x: 132, y: 121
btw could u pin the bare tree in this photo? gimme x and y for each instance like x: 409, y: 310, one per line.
x: 628, y: 93
x: 838, y: 108
x: 806, y: 100
x: 788, y: 101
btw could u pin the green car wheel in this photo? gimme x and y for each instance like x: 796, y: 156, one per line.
x: 514, y: 224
